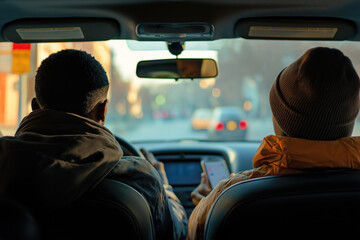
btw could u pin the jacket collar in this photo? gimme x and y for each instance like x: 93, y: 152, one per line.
x: 294, y: 153
x: 53, y: 122
x: 55, y: 157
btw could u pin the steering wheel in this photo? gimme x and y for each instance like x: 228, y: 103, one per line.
x: 128, y: 148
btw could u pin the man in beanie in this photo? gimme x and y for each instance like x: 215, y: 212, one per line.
x: 314, y: 102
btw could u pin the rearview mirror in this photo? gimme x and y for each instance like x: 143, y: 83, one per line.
x: 177, y: 68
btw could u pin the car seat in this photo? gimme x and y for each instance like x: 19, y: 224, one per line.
x: 16, y: 222
x: 112, y: 210
x: 318, y: 204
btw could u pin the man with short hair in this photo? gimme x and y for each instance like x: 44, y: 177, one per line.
x: 314, y: 101
x: 61, y: 150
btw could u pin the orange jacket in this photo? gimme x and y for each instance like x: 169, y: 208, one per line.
x: 283, y: 155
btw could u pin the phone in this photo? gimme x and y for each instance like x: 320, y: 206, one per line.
x: 216, y: 170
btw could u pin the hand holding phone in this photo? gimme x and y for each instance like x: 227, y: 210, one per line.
x: 216, y: 170
x: 201, y: 191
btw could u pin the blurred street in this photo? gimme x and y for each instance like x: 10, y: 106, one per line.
x: 176, y: 129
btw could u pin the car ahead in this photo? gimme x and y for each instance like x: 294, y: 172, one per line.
x: 228, y: 123
x: 251, y: 41
x: 201, y: 118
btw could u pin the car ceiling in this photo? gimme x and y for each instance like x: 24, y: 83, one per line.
x: 222, y: 14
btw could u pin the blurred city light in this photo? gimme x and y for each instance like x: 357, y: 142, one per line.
x: 160, y: 100
x: 216, y: 92
x: 231, y: 125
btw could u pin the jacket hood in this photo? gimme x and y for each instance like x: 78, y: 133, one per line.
x: 282, y: 153
x: 54, y: 158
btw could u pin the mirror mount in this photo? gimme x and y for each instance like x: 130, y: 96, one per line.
x: 175, y: 48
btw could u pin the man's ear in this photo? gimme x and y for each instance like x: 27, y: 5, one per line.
x: 34, y: 104
x: 101, y: 111
x: 98, y: 113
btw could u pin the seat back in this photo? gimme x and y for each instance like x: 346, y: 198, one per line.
x: 112, y: 210
x: 316, y: 204
x: 16, y: 222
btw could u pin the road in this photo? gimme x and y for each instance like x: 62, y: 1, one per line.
x: 181, y: 129
x: 178, y: 129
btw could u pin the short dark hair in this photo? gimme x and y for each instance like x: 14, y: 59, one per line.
x: 71, y: 81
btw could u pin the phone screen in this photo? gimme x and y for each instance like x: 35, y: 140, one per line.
x: 216, y: 171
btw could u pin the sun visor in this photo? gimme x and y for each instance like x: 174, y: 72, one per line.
x: 295, y: 28
x: 61, y: 30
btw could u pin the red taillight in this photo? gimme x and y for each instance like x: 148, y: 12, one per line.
x: 165, y: 114
x: 243, y: 124
x: 219, y: 126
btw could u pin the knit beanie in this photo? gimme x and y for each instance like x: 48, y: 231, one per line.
x: 317, y: 96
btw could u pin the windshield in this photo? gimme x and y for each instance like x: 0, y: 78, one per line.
x: 232, y: 106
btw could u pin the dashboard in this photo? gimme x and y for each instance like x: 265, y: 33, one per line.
x: 182, y: 161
